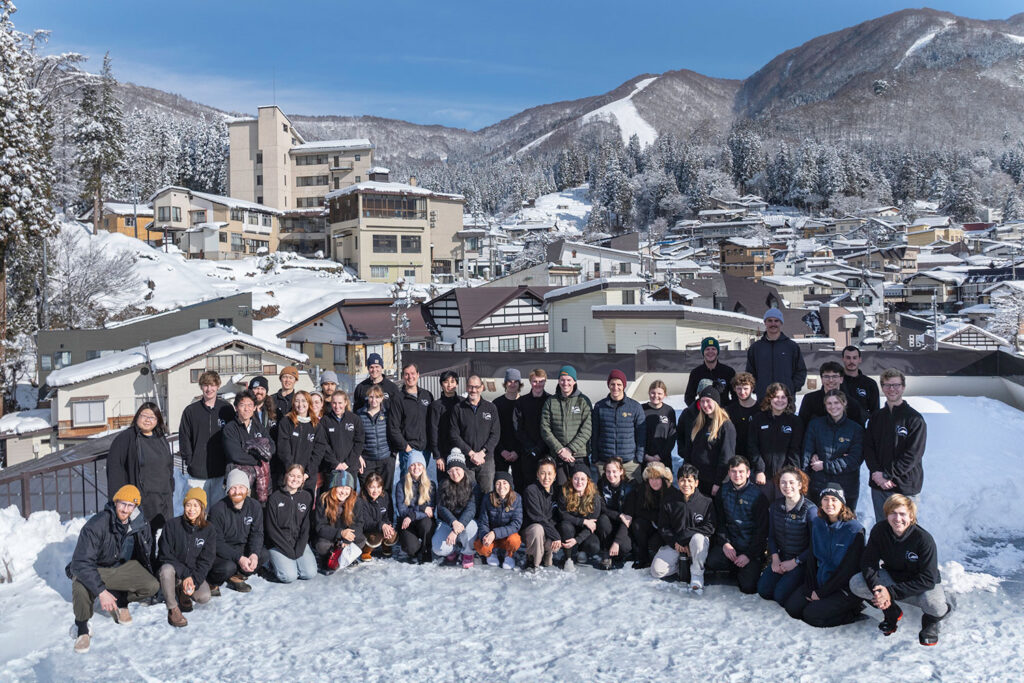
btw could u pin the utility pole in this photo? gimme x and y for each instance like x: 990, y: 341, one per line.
x: 152, y: 371
x: 935, y: 323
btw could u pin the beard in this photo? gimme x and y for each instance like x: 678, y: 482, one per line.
x: 237, y: 498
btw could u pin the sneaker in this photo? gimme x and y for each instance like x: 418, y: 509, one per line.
x: 82, y: 644
x: 509, y: 563
x: 237, y: 583
x: 467, y: 561
x: 452, y: 557
x: 568, y: 564
x: 121, y: 615
x: 175, y: 619
x: 696, y: 588
x: 184, y: 601
x: 492, y: 560
x: 890, y: 620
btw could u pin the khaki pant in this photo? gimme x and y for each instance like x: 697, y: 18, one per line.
x: 130, y: 579
x: 169, y: 583
x: 667, y: 559
x: 536, y: 544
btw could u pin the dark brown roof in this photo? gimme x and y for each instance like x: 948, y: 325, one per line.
x: 476, y: 303
x: 373, y: 323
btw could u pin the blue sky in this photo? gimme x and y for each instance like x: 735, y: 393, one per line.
x: 465, y: 64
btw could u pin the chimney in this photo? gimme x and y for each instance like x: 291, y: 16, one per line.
x: 413, y: 181
x: 379, y: 174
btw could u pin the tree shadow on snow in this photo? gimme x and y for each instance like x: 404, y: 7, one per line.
x: 50, y: 564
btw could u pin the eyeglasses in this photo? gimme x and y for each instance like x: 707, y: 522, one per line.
x: 830, y: 377
x: 475, y: 387
x: 892, y: 386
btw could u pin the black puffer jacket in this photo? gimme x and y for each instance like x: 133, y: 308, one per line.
x: 105, y: 542
x: 189, y: 549
x: 789, y: 531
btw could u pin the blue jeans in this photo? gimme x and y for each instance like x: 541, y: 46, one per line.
x: 463, y: 542
x: 286, y: 570
x: 779, y: 587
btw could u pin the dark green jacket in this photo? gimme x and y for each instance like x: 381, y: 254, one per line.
x: 565, y: 423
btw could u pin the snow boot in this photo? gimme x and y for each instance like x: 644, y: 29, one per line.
x: 929, y: 634
x: 890, y: 619
x: 184, y: 601
x: 214, y: 591
x: 82, y: 644
x: 606, y: 561
x: 509, y: 563
x: 467, y: 561
x: 386, y: 552
x: 492, y: 560
x: 121, y: 615
x: 175, y: 619
x: 237, y: 583
x: 367, y: 554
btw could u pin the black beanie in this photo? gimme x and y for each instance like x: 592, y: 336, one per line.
x: 580, y: 467
x: 504, y: 476
x: 713, y: 394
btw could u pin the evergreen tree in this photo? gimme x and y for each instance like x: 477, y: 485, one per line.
x: 99, y: 136
x: 1013, y: 207
x: 747, y: 155
x: 961, y: 198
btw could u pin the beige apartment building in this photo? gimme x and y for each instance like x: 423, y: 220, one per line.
x: 214, y: 227
x: 388, y: 231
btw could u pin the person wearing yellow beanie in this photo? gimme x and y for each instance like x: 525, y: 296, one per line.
x: 187, y: 551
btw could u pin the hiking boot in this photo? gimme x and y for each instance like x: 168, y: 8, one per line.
x: 367, y: 554
x: 175, y: 619
x: 890, y: 619
x: 386, y: 552
x: 121, y: 615
x: 237, y: 583
x: 184, y: 601
x: 509, y: 563
x: 82, y: 644
x: 467, y: 561
x: 929, y: 634
x: 214, y: 591
x: 492, y: 560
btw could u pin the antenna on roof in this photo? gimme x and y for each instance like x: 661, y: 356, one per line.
x: 273, y: 81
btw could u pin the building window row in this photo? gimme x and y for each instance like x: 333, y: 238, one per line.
x: 311, y: 160
x: 164, y: 213
x: 394, y: 206
x: 311, y: 180
x: 309, y: 202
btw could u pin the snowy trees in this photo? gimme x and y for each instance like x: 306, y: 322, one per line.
x: 747, y: 156
x: 99, y: 137
x: 571, y: 167
x: 1007, y: 322
x: 961, y: 199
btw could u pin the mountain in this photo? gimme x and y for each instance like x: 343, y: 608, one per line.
x: 919, y: 77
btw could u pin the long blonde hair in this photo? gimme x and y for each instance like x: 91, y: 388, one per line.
x: 424, y: 486
x: 720, y: 418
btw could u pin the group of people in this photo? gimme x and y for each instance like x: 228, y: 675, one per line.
x: 295, y: 484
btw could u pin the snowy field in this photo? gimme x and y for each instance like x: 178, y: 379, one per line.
x: 390, y: 621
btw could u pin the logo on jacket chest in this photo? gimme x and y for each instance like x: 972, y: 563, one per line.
x: 862, y: 393
x: 843, y: 439
x: 576, y: 410
x: 302, y: 507
x: 330, y: 429
x: 487, y: 416
x: 786, y: 429
x: 220, y: 423
x: 697, y: 519
x: 349, y: 427
x: 663, y: 419
x: 625, y: 414
x: 911, y: 556
x: 281, y: 504
x: 901, y: 431
x: 247, y: 521
x: 424, y: 401
x: 200, y: 542
x: 309, y: 437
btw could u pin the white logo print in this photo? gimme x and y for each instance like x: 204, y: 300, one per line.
x: 424, y: 401
x: 911, y: 556
x: 764, y: 426
x: 200, y: 542
x: 330, y: 429
x: 862, y: 392
x: 901, y: 431
x: 281, y: 504
x: 295, y: 433
x: 247, y: 521
x: 349, y: 427
x: 664, y: 419
x: 786, y: 429
x: 697, y: 519
x: 487, y: 416
x: 576, y: 409
x: 302, y: 507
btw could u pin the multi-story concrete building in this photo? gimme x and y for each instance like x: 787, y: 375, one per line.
x: 270, y: 163
x: 214, y: 227
x: 388, y: 231
x: 746, y: 257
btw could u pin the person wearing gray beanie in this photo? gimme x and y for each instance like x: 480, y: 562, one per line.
x: 775, y: 357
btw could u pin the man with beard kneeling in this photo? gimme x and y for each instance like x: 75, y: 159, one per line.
x: 238, y: 523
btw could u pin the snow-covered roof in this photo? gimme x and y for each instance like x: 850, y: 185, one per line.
x: 127, y: 209
x: 726, y: 316
x: 390, y: 188
x: 941, y: 275
x: 229, y: 202
x: 379, y: 169
x: 323, y: 145
x: 25, y: 421
x: 599, y: 283
x: 787, y: 280
x: 165, y: 354
x: 211, y: 226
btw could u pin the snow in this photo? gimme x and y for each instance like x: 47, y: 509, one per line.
x: 127, y: 209
x: 25, y: 421
x: 352, y: 143
x: 222, y: 200
x: 164, y: 355
x: 595, y: 284
x: 683, y: 310
x: 624, y: 113
x: 397, y: 622
x: 379, y: 169
x: 925, y: 39
x: 568, y: 209
x: 1015, y: 38
x: 392, y: 188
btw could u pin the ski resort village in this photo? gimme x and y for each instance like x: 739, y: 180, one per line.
x: 703, y: 376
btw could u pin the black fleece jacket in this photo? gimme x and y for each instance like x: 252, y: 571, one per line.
x: 287, y: 522
x: 911, y: 560
x: 189, y: 549
x: 199, y: 440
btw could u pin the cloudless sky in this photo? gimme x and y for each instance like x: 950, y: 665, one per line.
x: 456, y: 63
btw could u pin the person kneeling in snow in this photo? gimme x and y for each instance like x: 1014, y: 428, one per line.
x: 112, y: 562
x: 456, y: 512
x: 579, y: 506
x: 188, y: 547
x: 687, y: 524
x: 500, y: 518
x: 340, y: 518
x: 900, y: 563
x: 378, y: 526
x: 742, y: 532
x: 238, y: 522
x: 414, y: 500
x: 287, y: 526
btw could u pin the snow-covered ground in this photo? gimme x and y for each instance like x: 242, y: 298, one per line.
x: 624, y: 113
x: 390, y: 621
x: 570, y: 208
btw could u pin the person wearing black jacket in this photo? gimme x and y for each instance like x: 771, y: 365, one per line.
x: 376, y: 455
x: 526, y: 423
x: 296, y: 434
x: 775, y: 357
x: 474, y: 429
x: 456, y: 513
x: 742, y: 410
x: 894, y: 445
x: 900, y: 562
x: 438, y: 440
x: 379, y: 520
x: 340, y: 518
x: 712, y: 442
x: 264, y: 410
x: 281, y: 400
x: 813, y: 403
x: 407, y: 421
x: 112, y: 562
x: 837, y: 544
x: 687, y: 525
x: 858, y: 386
x: 834, y: 449
x: 188, y: 546
x: 238, y: 523
x: 248, y: 446
x: 375, y: 370
x: 775, y: 439
x: 199, y: 439
x: 660, y: 426
x: 644, y: 505
x: 789, y: 537
x: 286, y: 525
x: 720, y: 374
x: 340, y: 438
x: 140, y: 456
x: 742, y: 530
x: 613, y: 523
x: 507, y: 450
x: 579, y: 507
x: 540, y: 530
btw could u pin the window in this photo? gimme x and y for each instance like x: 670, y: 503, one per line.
x: 254, y: 219
x: 205, y: 323
x: 285, y: 179
x: 163, y: 213
x: 233, y: 363
x: 270, y: 370
x: 176, y: 211
x: 266, y: 221
x: 339, y: 356
x: 223, y: 236
x: 624, y: 268
x: 410, y: 244
x: 358, y: 157
x: 91, y: 355
x: 236, y: 214
x: 295, y: 346
x: 284, y: 127
x: 628, y: 297
x: 611, y: 348
x: 410, y: 272
x: 312, y: 160
x: 379, y: 271
x: 483, y: 345
x: 129, y: 221
x: 508, y: 343
x: 393, y: 206
x: 311, y: 180
x: 259, y: 180
x: 309, y: 202
x: 565, y: 324
x: 46, y: 363
x: 236, y: 242
x: 61, y: 359
x: 259, y: 157
x: 318, y: 350
x: 535, y: 343
x: 337, y: 183
x: 87, y: 413
x: 359, y: 178
x: 375, y: 348
x: 198, y: 216
x: 259, y: 199
x: 385, y: 244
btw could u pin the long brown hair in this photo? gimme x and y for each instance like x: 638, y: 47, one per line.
x: 201, y: 521
x: 332, y: 507
x: 507, y: 502
x: 294, y: 417
x: 580, y: 504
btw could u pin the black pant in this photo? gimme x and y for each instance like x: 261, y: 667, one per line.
x: 746, y: 577
x: 524, y: 471
x: 417, y: 536
x: 385, y: 468
x: 613, y: 531
x: 646, y: 538
x: 591, y: 545
x: 842, y: 607
x: 484, y: 474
